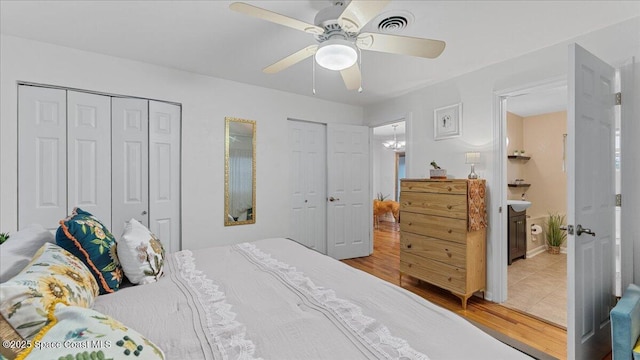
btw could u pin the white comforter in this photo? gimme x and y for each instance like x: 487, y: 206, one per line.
x: 275, y: 299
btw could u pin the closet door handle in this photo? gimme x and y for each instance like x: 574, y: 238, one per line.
x: 144, y: 212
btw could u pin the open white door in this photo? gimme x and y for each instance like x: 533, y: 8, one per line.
x: 590, y: 204
x: 349, y: 211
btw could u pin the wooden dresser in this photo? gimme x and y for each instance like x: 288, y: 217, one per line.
x: 443, y: 234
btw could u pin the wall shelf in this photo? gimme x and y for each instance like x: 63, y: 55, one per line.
x: 519, y: 157
x: 519, y: 185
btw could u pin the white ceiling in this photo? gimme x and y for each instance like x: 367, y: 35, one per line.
x: 206, y: 37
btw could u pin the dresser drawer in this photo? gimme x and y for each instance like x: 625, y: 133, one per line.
x: 434, y: 226
x: 443, y: 186
x: 448, y: 205
x: 447, y: 252
x: 434, y: 272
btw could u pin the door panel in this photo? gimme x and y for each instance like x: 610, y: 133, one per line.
x: 164, y: 173
x: 42, y: 159
x: 591, y: 204
x: 308, y: 184
x: 89, y: 154
x: 130, y: 166
x: 350, y: 212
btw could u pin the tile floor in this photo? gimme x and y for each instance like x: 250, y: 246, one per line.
x: 538, y: 286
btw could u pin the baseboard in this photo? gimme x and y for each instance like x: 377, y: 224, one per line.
x: 536, y: 251
x: 541, y: 249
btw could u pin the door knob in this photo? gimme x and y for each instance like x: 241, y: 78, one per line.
x: 332, y: 199
x: 580, y: 230
x: 144, y: 212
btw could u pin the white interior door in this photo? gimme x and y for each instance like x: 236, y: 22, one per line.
x: 89, y: 154
x: 308, y: 184
x: 164, y: 173
x: 590, y: 204
x: 349, y: 198
x: 42, y: 158
x: 129, y: 162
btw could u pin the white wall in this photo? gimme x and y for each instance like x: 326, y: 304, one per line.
x: 384, y: 170
x: 615, y: 44
x: 205, y: 103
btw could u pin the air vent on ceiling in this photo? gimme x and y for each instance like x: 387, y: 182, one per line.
x: 394, y: 21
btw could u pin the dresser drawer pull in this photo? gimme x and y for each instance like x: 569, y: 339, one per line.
x: 408, y: 246
x: 449, y: 231
x: 449, y: 207
x: 449, y: 188
x: 410, y: 223
x: 448, y: 253
x: 408, y: 202
x: 449, y: 279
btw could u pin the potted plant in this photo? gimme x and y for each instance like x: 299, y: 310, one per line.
x: 3, y: 237
x: 555, y: 235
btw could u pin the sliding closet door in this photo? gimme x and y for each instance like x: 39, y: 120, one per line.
x: 130, y: 162
x: 89, y: 154
x: 42, y: 161
x: 164, y: 173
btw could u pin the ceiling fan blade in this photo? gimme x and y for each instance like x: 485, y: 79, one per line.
x: 359, y: 12
x: 352, y: 77
x: 404, y: 45
x: 275, y: 18
x: 291, y: 60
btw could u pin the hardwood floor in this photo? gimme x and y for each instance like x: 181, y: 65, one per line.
x: 385, y: 262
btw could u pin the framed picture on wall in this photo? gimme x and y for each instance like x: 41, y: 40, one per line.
x: 447, y: 122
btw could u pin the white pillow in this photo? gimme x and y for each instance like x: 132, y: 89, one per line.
x: 141, y: 253
x: 17, y: 251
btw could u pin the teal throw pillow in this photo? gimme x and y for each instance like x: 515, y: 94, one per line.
x: 85, y: 237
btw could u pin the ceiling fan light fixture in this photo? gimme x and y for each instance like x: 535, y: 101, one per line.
x: 336, y: 54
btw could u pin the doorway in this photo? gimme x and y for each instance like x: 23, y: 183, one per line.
x: 389, y: 166
x: 536, y: 123
x: 535, y: 139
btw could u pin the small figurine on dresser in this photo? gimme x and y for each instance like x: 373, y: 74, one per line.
x: 437, y: 172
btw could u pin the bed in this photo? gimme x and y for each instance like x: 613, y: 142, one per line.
x: 276, y: 299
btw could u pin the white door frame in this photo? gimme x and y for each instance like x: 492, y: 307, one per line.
x: 497, y: 270
x: 629, y: 130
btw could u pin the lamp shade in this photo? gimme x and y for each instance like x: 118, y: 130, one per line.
x: 336, y: 54
x: 472, y: 157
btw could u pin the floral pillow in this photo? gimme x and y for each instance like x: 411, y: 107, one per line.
x: 141, y: 254
x: 88, y: 334
x: 85, y: 237
x: 54, y: 274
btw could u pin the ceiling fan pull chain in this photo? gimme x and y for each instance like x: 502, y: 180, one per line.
x: 360, y: 61
x: 313, y: 74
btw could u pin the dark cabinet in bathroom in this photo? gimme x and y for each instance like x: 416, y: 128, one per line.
x: 517, y: 243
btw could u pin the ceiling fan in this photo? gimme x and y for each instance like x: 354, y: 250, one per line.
x: 337, y: 31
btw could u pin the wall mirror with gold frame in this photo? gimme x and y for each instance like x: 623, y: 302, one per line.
x: 239, y: 172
